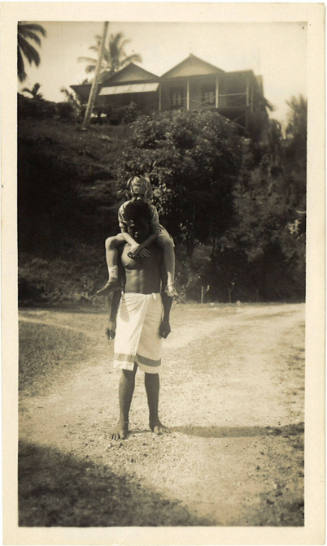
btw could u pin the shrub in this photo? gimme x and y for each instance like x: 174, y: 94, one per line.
x: 35, y: 108
x: 66, y: 111
x: 121, y: 114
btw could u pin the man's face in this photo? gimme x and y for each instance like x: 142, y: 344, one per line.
x: 138, y: 229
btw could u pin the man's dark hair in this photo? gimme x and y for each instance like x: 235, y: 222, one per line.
x: 136, y: 210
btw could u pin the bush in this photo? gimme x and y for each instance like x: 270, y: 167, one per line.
x: 121, y: 114
x: 35, y: 108
x: 193, y: 160
x: 66, y: 111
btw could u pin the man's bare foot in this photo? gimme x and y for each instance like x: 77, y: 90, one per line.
x: 120, y: 431
x: 111, y: 284
x: 158, y: 428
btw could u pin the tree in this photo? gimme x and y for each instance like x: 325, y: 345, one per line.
x: 295, y: 146
x: 114, y: 57
x: 34, y: 92
x: 193, y: 159
x: 73, y: 100
x: 268, y: 211
x: 28, y: 32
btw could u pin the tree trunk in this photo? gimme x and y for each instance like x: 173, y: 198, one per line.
x: 93, y: 91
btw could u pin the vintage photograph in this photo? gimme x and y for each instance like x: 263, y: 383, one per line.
x: 161, y: 234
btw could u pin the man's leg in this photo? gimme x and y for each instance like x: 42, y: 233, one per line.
x: 126, y: 390
x: 152, y: 387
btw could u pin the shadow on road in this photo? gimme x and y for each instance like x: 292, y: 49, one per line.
x: 239, y: 432
x: 60, y: 490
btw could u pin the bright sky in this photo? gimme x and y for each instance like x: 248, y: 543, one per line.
x: 277, y: 51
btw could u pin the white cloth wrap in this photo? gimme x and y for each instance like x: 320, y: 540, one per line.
x: 137, y: 332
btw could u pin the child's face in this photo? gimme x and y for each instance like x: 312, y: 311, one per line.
x: 138, y: 187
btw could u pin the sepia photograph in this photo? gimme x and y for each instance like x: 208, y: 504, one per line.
x: 162, y: 272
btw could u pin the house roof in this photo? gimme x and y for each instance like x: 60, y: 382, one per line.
x: 83, y: 90
x: 192, y: 66
x: 130, y: 88
x: 129, y: 73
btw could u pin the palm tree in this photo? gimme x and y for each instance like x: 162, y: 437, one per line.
x: 34, y: 91
x: 26, y: 33
x: 114, y: 57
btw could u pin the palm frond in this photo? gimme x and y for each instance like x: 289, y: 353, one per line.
x: 20, y: 66
x: 87, y: 60
x: 31, y: 27
x: 28, y: 51
x: 114, y: 55
x: 27, y: 32
x: 29, y: 35
x: 134, y: 58
x: 90, y: 68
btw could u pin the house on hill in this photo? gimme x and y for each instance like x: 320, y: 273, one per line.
x: 193, y: 84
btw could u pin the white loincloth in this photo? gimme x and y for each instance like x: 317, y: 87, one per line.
x: 137, y: 333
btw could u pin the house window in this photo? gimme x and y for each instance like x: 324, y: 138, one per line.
x: 208, y: 95
x: 177, y: 97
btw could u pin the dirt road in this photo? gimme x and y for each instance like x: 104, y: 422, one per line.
x: 232, y: 391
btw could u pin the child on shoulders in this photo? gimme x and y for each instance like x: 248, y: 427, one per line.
x: 139, y: 188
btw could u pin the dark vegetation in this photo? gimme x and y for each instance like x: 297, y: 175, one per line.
x: 234, y: 205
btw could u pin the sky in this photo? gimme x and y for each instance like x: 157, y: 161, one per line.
x: 277, y: 51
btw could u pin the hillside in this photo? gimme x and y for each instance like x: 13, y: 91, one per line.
x: 235, y: 210
x: 67, y: 205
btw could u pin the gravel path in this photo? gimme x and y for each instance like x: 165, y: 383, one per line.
x: 232, y: 391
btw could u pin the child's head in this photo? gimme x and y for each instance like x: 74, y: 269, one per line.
x: 140, y: 186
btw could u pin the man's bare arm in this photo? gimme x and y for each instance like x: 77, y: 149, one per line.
x: 167, y: 301
x: 113, y: 303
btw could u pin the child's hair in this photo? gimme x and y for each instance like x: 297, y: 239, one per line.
x: 144, y: 182
x: 137, y: 209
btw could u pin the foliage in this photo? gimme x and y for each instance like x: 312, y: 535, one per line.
x: 268, y: 197
x: 121, y: 114
x: 36, y: 108
x: 34, y: 92
x: 235, y: 206
x: 28, y: 32
x: 66, y: 111
x: 114, y: 56
x: 75, y: 103
x: 296, y: 158
x: 193, y: 160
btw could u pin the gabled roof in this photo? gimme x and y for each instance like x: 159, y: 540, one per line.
x: 192, y: 66
x: 130, y: 73
x: 82, y: 90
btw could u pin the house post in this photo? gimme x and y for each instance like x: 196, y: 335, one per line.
x: 217, y: 92
x: 160, y: 98
x: 252, y: 99
x: 247, y: 92
x: 187, y: 94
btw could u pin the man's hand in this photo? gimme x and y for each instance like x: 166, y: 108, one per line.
x: 164, y: 329
x: 111, y: 329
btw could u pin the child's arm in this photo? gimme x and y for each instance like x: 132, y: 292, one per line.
x: 136, y: 248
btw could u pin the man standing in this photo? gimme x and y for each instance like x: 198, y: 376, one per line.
x: 142, y: 312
